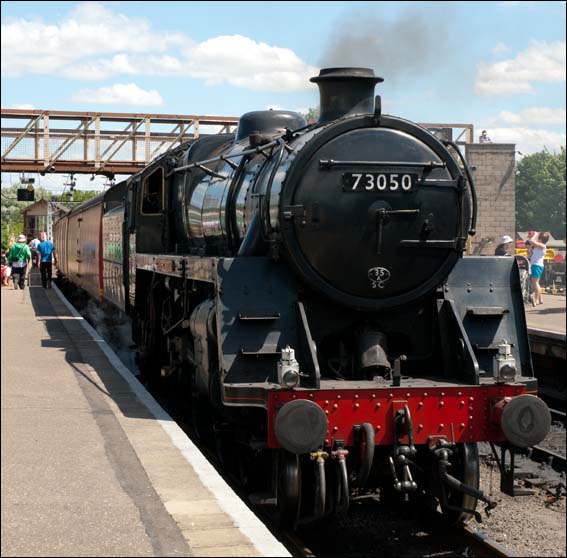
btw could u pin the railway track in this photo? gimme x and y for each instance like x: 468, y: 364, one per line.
x: 480, y: 544
x: 475, y: 543
x: 557, y: 416
x: 542, y: 455
x: 466, y: 540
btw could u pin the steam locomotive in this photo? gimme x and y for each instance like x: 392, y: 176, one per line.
x: 303, y: 288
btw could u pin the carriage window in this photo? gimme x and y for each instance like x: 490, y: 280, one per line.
x: 152, y: 198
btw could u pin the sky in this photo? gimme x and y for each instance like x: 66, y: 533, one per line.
x: 497, y: 65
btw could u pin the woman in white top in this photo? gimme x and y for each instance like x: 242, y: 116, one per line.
x: 536, y: 264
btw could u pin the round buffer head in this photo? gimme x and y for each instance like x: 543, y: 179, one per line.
x: 525, y: 421
x: 300, y: 426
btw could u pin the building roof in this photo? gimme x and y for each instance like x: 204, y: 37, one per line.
x: 40, y: 207
x: 551, y: 243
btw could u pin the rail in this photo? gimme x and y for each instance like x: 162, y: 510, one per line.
x: 479, y: 543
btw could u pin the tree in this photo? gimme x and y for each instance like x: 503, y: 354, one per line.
x: 75, y: 197
x: 540, y: 193
x: 312, y: 115
x: 13, y: 213
x: 13, y: 210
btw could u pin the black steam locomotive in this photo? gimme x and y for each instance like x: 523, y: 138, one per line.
x: 303, y: 288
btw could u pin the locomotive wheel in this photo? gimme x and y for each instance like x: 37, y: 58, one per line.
x: 180, y: 391
x: 225, y: 447
x: 201, y: 413
x: 288, y: 487
x: 466, y: 468
x: 148, y: 357
x: 202, y: 419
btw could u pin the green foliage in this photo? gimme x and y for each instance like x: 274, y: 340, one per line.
x: 312, y: 115
x: 13, y: 210
x: 80, y: 196
x: 75, y: 197
x: 12, y: 214
x: 540, y: 193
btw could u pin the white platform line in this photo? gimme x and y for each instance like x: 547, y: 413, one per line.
x: 241, y: 515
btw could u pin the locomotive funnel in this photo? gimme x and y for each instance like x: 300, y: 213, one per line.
x: 345, y: 91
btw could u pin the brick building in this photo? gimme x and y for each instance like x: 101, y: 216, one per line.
x: 493, y: 167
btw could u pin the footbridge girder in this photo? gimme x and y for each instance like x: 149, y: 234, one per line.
x: 96, y: 142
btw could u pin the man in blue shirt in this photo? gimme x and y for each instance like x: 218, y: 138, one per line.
x: 46, y: 253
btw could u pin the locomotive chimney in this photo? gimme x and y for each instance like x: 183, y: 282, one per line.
x: 345, y: 91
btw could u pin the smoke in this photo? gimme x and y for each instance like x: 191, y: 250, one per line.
x: 416, y: 43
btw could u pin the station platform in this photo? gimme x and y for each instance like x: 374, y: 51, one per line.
x: 549, y: 316
x: 546, y: 327
x: 91, y: 464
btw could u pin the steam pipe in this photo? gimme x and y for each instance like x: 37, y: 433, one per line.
x: 455, y: 484
x: 320, y: 503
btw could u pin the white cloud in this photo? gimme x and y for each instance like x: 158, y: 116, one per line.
x: 32, y: 46
x: 528, y: 140
x: 500, y: 49
x: 243, y: 62
x: 94, y: 43
x: 119, y: 94
x: 23, y: 106
x: 124, y: 64
x: 535, y: 115
x: 541, y: 61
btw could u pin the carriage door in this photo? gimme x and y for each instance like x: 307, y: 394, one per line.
x: 78, y: 257
x: 151, y: 207
x: 129, y: 244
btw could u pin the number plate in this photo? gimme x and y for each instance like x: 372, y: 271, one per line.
x: 379, y: 182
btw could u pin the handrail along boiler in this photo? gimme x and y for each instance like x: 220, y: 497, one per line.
x: 303, y: 289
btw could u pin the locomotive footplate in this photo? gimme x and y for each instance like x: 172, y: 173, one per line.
x: 460, y: 414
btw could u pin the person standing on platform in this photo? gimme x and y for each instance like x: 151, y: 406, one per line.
x: 539, y: 248
x: 33, y: 247
x: 18, y: 258
x: 46, y: 252
x: 483, y: 138
x: 504, y: 248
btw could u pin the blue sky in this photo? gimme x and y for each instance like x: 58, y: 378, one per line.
x: 497, y: 65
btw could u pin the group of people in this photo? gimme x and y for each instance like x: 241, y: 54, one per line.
x: 536, y: 244
x: 40, y: 252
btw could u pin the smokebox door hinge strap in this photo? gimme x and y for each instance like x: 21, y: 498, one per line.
x: 291, y: 211
x: 377, y: 109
